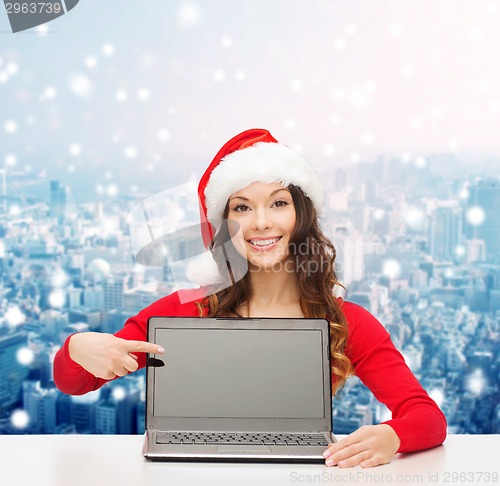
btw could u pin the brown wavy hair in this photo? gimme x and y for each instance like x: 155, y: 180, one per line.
x: 314, y: 256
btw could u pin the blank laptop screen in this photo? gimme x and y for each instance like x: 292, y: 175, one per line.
x: 240, y: 373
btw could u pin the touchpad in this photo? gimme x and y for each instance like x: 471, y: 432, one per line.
x: 243, y: 449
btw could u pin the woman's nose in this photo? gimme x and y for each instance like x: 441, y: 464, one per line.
x: 261, y: 219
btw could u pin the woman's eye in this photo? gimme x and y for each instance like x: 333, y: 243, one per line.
x: 280, y: 204
x: 240, y: 208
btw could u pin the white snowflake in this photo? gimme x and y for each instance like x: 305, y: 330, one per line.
x: 391, y: 268
x: 437, y: 395
x: 351, y: 29
x: 91, y: 62
x: 240, y: 75
x: 464, y: 193
x: 340, y: 44
x: 476, y: 382
x: 395, y: 29
x: 12, y: 68
x: 219, y: 75
x: 10, y: 160
x: 119, y: 393
x: 417, y: 122
x: 130, y: 152
x: 420, y: 162
x: 14, y: 210
x: 49, y: 93
x: 57, y: 298
x: 19, y: 419
x: 163, y: 134
x: 25, y: 356
x: 296, y: 85
x: 108, y: 49
x: 75, y: 149
x: 406, y: 157
x: 485, y: 86
x: 368, y: 138
x: 407, y: 70
x: 14, y: 316
x: 143, y: 94
x: 189, y: 15
x: 121, y: 95
x: 329, y: 150
x: 42, y: 30
x: 80, y: 85
x: 476, y: 215
x: 4, y: 77
x: 413, y: 217
x: 60, y: 278
x: 10, y: 126
x: 436, y: 111
x: 112, y: 190
x: 226, y: 41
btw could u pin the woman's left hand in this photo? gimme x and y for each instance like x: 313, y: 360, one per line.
x: 368, y: 446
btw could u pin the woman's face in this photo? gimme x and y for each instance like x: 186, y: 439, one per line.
x: 266, y: 217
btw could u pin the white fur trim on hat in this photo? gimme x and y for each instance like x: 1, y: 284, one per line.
x: 262, y: 162
x: 203, y: 270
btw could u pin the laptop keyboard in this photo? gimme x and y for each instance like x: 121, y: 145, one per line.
x: 219, y: 438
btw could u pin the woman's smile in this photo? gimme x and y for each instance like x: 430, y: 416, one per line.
x: 263, y: 243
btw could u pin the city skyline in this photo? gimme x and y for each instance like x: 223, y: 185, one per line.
x: 408, y: 248
x: 396, y: 77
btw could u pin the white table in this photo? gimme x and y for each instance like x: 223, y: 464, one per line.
x: 94, y: 460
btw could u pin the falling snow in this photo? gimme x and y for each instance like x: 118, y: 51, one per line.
x: 19, y: 419
x: 476, y: 215
x: 80, y: 85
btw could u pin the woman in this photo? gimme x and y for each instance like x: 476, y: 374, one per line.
x: 265, y: 198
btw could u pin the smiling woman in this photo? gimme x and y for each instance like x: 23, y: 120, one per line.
x: 259, y: 201
x: 265, y: 214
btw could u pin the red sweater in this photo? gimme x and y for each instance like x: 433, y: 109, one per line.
x: 417, y: 420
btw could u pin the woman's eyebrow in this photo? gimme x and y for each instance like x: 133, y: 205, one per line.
x: 270, y: 195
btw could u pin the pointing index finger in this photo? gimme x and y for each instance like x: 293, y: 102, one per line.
x: 143, y: 347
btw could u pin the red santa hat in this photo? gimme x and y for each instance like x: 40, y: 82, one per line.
x: 252, y: 156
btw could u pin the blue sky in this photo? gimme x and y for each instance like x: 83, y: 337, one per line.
x: 142, y: 94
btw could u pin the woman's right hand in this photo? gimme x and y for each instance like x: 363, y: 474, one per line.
x: 107, y: 356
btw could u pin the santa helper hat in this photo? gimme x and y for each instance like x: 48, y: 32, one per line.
x: 252, y: 156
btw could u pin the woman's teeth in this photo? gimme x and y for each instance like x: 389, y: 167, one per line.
x: 264, y: 242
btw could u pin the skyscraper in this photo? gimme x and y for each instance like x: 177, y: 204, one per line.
x: 12, y: 372
x: 485, y: 196
x: 58, y: 200
x: 444, y: 232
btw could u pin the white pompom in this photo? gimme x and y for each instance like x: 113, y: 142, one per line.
x: 203, y: 270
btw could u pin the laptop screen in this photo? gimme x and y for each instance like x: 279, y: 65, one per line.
x: 240, y: 373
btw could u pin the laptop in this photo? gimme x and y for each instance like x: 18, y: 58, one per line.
x: 231, y: 389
